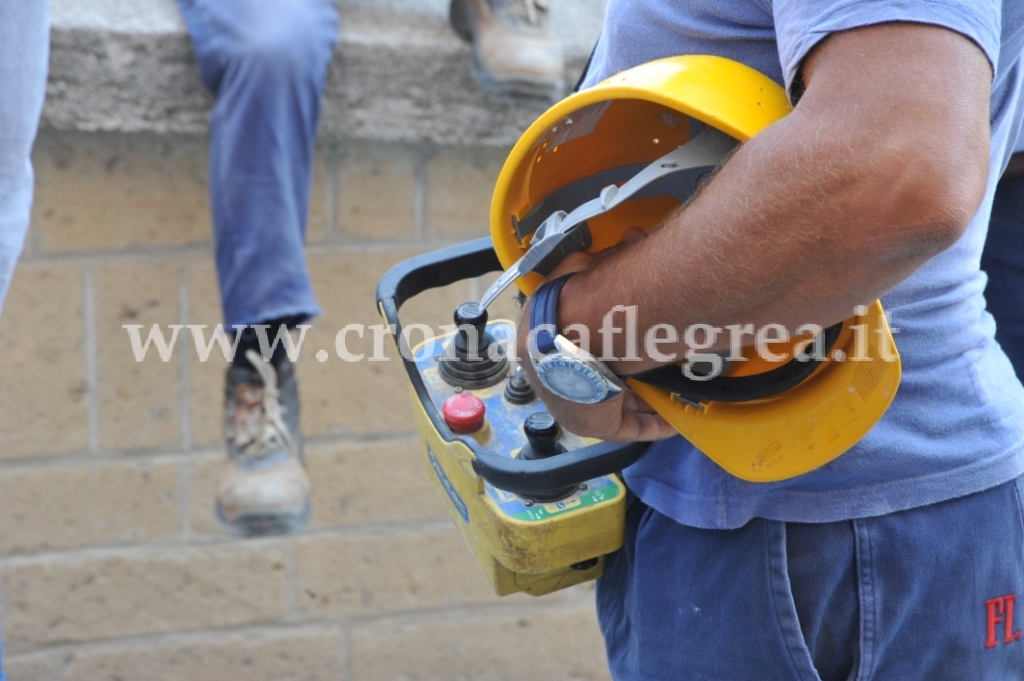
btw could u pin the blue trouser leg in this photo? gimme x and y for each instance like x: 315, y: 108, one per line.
x: 934, y: 593
x: 24, y: 46
x: 1003, y: 261
x: 265, y: 61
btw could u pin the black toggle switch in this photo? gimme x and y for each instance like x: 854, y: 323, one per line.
x: 518, y: 390
x: 542, y: 432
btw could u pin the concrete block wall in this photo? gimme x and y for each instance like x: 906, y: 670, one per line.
x: 111, y: 564
x: 112, y: 567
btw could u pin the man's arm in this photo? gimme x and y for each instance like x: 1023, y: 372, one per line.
x: 881, y: 166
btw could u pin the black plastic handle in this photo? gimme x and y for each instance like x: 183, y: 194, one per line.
x: 518, y: 476
x: 436, y: 269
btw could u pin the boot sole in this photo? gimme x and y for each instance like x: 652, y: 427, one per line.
x: 537, y: 93
x: 458, y: 17
x: 264, y: 524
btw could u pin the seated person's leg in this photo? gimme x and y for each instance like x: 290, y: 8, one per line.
x: 23, y: 55
x: 514, y: 51
x: 265, y: 61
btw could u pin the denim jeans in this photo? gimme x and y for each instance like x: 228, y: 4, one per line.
x: 1003, y: 261
x: 265, y: 61
x: 926, y: 594
x: 24, y: 53
x: 24, y: 50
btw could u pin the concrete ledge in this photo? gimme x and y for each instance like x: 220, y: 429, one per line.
x: 399, y: 74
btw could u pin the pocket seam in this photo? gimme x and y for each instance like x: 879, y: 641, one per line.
x: 782, y: 588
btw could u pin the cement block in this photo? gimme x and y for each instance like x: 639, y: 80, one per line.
x: 139, y: 401
x: 535, y: 644
x: 399, y: 571
x: 315, y: 655
x: 131, y: 593
x: 106, y: 192
x: 82, y: 505
x: 43, y: 378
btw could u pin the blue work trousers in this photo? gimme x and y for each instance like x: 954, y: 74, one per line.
x: 934, y: 593
x: 265, y: 61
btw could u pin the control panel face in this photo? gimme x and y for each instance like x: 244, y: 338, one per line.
x: 502, y: 432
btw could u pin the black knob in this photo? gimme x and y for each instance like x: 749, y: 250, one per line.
x: 472, y: 314
x: 542, y: 432
x: 468, y: 361
x: 472, y: 339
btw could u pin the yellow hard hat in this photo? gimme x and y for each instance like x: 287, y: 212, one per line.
x: 761, y: 421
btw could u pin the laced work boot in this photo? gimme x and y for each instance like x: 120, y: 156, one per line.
x: 514, y: 52
x: 263, y: 488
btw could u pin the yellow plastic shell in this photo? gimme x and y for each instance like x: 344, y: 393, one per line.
x: 805, y: 427
x: 636, y: 117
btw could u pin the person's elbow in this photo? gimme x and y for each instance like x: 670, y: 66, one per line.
x: 929, y: 190
x: 912, y: 102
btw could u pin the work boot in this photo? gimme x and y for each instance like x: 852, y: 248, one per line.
x: 514, y: 53
x: 263, y: 488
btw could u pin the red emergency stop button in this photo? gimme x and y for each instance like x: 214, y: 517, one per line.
x: 464, y: 413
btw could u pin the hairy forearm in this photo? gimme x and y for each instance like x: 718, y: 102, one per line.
x: 768, y: 242
x: 825, y: 210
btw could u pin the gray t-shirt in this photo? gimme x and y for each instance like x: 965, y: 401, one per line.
x: 956, y: 425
